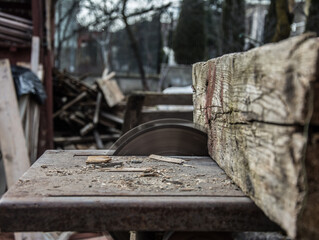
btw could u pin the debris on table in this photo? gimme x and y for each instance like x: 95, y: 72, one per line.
x: 126, y: 197
x: 122, y: 175
x: 167, y: 159
x: 98, y: 159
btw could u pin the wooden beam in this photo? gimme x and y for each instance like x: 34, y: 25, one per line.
x: 35, y: 54
x: 11, y: 38
x: 15, y: 33
x: 133, y: 110
x: 112, y: 117
x: 97, y: 108
x: 112, y: 93
x: 257, y: 109
x: 34, y: 108
x: 12, y: 141
x: 15, y: 24
x: 15, y: 18
x: 98, y: 140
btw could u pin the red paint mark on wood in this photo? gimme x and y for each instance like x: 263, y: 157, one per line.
x: 221, y: 93
x: 211, y: 81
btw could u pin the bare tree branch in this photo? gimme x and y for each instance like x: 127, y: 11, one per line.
x: 68, y: 13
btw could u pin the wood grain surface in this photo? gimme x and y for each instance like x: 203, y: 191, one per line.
x: 12, y: 140
x: 259, y: 109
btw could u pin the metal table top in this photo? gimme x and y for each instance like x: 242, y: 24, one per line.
x: 61, y: 193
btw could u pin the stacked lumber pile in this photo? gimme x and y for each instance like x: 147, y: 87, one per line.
x: 15, y: 30
x: 260, y: 109
x: 83, y: 118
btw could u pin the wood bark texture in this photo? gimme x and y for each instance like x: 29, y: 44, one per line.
x: 260, y: 109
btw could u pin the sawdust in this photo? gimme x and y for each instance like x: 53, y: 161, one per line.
x: 109, y: 178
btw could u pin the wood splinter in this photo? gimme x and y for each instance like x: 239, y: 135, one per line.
x: 98, y: 159
x: 167, y: 159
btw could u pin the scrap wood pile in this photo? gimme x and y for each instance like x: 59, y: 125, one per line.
x: 86, y: 115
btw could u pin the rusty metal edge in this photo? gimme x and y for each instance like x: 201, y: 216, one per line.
x: 133, y: 213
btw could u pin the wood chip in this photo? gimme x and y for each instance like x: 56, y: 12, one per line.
x: 166, y: 159
x: 98, y: 159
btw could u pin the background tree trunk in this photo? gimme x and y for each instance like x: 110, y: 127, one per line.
x: 189, y: 40
x: 233, y: 26
x: 278, y: 21
x: 135, y: 48
x: 313, y: 17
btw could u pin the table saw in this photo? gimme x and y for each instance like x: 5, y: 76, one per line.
x: 60, y: 192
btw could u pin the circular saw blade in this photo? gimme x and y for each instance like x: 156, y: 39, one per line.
x: 164, y: 137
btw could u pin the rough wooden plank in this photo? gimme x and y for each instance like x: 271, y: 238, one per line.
x: 15, y: 24
x: 112, y: 93
x: 97, y: 108
x: 35, y: 54
x: 12, y: 141
x: 14, y: 33
x: 29, y: 108
x: 256, y: 107
x: 34, y: 108
x: 133, y: 110
x: 98, y: 140
x: 112, y: 117
x: 108, y: 76
x: 12, y: 38
x: 86, y: 129
x: 15, y: 18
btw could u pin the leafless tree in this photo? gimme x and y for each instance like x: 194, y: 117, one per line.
x: 62, y: 26
x: 106, y: 14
